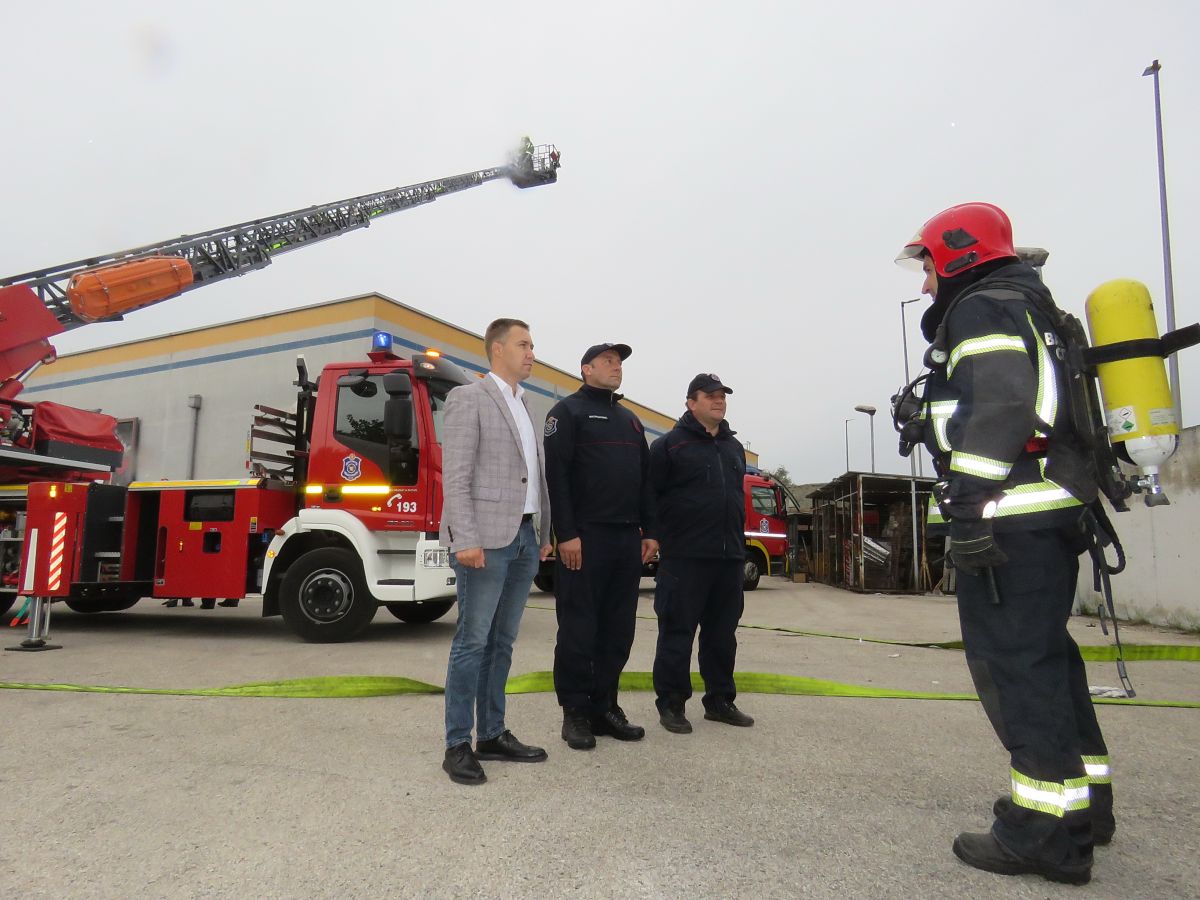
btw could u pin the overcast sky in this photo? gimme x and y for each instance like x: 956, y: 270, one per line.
x: 736, y: 181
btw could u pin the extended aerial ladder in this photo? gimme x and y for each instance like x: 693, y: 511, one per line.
x: 104, y: 288
x: 35, y: 306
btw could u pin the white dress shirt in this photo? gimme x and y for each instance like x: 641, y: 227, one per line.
x: 520, y: 414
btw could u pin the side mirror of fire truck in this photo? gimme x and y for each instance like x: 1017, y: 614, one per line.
x: 398, y: 410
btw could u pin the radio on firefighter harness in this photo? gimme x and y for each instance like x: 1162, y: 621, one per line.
x: 324, y: 552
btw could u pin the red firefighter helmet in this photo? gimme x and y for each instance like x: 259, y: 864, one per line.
x: 962, y: 237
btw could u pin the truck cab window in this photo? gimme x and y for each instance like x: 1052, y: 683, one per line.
x: 359, y: 426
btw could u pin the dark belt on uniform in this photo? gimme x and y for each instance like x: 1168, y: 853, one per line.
x: 528, y: 517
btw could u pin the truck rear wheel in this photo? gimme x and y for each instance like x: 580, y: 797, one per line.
x: 6, y: 603
x: 324, y: 596
x: 544, y: 579
x: 99, y: 606
x: 420, y: 613
x: 752, y: 572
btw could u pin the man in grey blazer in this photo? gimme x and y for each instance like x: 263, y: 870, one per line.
x: 493, y: 493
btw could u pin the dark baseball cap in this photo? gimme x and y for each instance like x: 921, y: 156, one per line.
x: 707, y: 382
x: 622, y: 350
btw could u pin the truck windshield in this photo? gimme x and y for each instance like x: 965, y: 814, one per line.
x: 763, y: 500
x: 438, y: 391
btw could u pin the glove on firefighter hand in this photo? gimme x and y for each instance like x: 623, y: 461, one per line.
x: 972, y: 546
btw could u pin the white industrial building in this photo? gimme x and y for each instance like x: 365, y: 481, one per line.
x: 186, y: 400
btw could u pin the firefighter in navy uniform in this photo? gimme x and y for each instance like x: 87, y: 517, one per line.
x: 698, y: 469
x: 1014, y: 486
x: 597, y: 466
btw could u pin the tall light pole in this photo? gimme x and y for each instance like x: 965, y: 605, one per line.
x: 847, y: 430
x: 870, y: 411
x: 1173, y: 359
x: 914, y: 464
x: 914, y: 458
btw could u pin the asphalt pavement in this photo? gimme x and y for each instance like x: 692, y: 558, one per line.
x: 119, y: 795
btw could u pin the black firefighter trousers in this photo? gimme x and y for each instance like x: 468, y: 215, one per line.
x: 596, y: 607
x: 690, y: 593
x: 1033, y: 685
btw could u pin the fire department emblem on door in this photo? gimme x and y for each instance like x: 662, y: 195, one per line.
x: 351, y: 468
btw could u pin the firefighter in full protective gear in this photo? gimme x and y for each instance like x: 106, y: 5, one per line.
x: 1015, y: 484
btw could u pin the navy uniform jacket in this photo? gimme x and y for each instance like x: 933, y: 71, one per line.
x: 698, y: 483
x: 597, y: 464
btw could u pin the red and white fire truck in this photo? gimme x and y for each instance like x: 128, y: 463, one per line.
x: 342, y: 511
x: 768, y: 542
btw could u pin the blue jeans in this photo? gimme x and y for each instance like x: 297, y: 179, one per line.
x: 491, y: 602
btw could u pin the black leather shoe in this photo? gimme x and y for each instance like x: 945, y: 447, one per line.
x: 672, y: 718
x: 506, y: 746
x: 613, y: 722
x: 729, y: 714
x: 462, y: 766
x: 577, y: 730
x: 983, y: 851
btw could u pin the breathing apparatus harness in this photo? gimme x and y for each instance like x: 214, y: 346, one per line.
x: 1069, y: 343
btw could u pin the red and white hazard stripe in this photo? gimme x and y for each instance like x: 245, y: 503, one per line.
x: 58, y: 541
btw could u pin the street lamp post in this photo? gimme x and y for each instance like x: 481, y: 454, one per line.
x: 870, y: 411
x: 914, y: 458
x: 1172, y: 360
x: 916, y: 464
x: 847, y: 430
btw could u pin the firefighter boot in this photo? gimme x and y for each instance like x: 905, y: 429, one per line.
x: 984, y: 851
x: 1104, y: 823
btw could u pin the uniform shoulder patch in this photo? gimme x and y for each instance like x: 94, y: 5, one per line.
x: 551, y: 425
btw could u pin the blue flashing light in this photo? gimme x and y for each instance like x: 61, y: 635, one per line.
x: 381, y: 340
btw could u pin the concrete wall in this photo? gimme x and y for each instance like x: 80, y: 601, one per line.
x: 1161, y: 581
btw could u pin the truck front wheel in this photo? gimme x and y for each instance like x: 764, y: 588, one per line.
x: 420, y: 613
x: 324, y: 596
x: 754, y: 567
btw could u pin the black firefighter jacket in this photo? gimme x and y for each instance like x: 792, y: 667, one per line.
x: 997, y: 417
x: 698, y: 483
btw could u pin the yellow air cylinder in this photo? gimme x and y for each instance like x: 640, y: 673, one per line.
x: 1137, y: 396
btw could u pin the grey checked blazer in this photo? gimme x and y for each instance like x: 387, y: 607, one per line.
x: 483, y: 471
